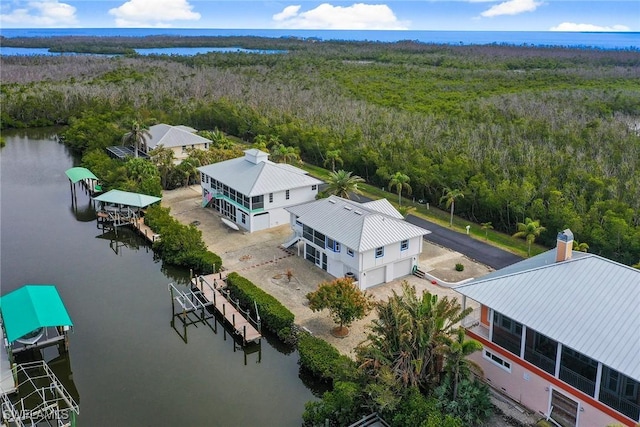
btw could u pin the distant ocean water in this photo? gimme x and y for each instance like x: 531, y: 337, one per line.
x: 609, y: 40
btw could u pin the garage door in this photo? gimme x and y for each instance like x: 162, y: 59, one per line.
x: 402, y: 268
x: 374, y: 277
x: 260, y: 221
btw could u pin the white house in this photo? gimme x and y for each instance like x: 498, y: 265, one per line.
x: 369, y: 241
x: 253, y: 192
x: 561, y: 335
x: 177, y: 138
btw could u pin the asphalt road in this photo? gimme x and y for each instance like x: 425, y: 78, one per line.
x: 474, y: 249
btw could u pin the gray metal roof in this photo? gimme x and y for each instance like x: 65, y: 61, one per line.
x: 254, y: 179
x: 174, y: 136
x: 588, y: 303
x: 359, y: 226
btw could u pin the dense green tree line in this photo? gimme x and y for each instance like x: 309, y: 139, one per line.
x: 549, y: 134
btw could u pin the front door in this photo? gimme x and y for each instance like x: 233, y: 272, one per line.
x: 564, y: 410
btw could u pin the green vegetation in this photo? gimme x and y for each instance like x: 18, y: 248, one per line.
x: 323, y: 360
x: 344, y: 300
x: 459, y: 267
x: 275, y: 317
x: 545, y: 133
x: 180, y: 244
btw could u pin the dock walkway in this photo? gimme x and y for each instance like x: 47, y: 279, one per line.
x: 210, y: 288
x: 7, y: 380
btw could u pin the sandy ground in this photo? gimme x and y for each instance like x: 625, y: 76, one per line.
x: 259, y: 257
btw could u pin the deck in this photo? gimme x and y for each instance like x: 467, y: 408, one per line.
x: 210, y: 288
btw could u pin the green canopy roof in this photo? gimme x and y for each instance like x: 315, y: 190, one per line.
x: 32, y: 307
x: 127, y: 198
x: 78, y: 174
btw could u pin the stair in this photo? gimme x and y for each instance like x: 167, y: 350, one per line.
x: 418, y: 273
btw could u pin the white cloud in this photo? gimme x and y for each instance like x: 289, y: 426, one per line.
x: 287, y: 12
x: 511, y: 7
x: 571, y: 26
x: 153, y: 13
x: 46, y: 13
x: 358, y: 16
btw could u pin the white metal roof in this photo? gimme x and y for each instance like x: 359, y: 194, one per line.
x: 254, y: 179
x: 174, y: 136
x: 359, y: 226
x: 588, y: 303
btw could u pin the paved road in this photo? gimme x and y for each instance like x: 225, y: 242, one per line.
x: 472, y: 248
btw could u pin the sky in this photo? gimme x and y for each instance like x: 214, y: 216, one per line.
x: 431, y: 15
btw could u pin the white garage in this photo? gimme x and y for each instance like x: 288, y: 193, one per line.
x: 374, y: 277
x: 402, y: 268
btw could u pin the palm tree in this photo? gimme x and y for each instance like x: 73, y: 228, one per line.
x: 458, y: 367
x: 410, y: 337
x: 282, y: 153
x: 486, y: 226
x: 219, y: 139
x: 343, y: 184
x: 580, y: 246
x: 400, y: 181
x: 530, y: 229
x: 449, y: 198
x: 333, y: 157
x: 162, y: 157
x: 137, y: 136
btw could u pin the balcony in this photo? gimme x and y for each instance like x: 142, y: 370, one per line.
x: 540, y: 360
x: 620, y: 404
x: 472, y: 324
x: 578, y: 381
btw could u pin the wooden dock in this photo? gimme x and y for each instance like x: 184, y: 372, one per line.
x: 145, y: 230
x: 211, y: 287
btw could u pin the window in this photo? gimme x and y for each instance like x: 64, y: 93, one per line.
x: 333, y: 245
x: 270, y: 197
x: 286, y: 195
x: 496, y: 360
x: 243, y: 217
x: 184, y: 148
x: 404, y: 245
x: 314, y: 187
x: 349, y: 252
x: 380, y: 252
x: 507, y: 333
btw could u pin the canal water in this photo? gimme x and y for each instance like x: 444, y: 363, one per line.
x: 129, y: 366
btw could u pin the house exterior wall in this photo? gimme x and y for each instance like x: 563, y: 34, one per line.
x: 532, y: 387
x: 368, y: 269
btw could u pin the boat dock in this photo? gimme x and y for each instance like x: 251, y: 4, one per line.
x: 210, y: 291
x: 7, y: 379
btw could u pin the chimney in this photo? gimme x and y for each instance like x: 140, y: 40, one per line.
x: 564, y: 248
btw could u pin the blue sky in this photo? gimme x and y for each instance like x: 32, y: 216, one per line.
x: 437, y: 15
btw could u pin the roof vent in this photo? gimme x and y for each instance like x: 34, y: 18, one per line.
x: 332, y: 201
x: 348, y: 208
x: 357, y: 212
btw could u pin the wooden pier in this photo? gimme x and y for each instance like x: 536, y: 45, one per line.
x: 212, y: 288
x: 117, y: 219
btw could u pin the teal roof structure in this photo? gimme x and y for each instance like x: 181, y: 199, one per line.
x: 78, y: 174
x: 126, y: 198
x: 30, y: 308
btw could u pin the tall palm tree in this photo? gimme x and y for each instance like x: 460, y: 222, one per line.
x: 333, y: 157
x: 401, y: 182
x: 162, y: 157
x: 137, y: 136
x: 486, y: 226
x: 529, y: 229
x: 343, y: 184
x: 449, y: 198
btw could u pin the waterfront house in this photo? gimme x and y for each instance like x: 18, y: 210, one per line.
x: 179, y: 139
x: 561, y: 335
x: 253, y: 192
x: 370, y: 242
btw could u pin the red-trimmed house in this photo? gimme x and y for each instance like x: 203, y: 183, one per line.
x: 561, y: 335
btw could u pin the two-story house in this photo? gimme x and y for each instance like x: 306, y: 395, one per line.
x: 370, y: 242
x: 253, y: 192
x: 179, y: 139
x: 561, y: 335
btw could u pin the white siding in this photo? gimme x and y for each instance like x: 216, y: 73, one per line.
x: 373, y: 277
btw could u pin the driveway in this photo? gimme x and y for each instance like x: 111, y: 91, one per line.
x: 476, y: 250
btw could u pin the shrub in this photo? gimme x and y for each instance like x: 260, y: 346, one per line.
x: 340, y: 407
x: 323, y: 360
x: 459, y: 267
x: 473, y: 404
x: 275, y: 317
x: 415, y: 409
